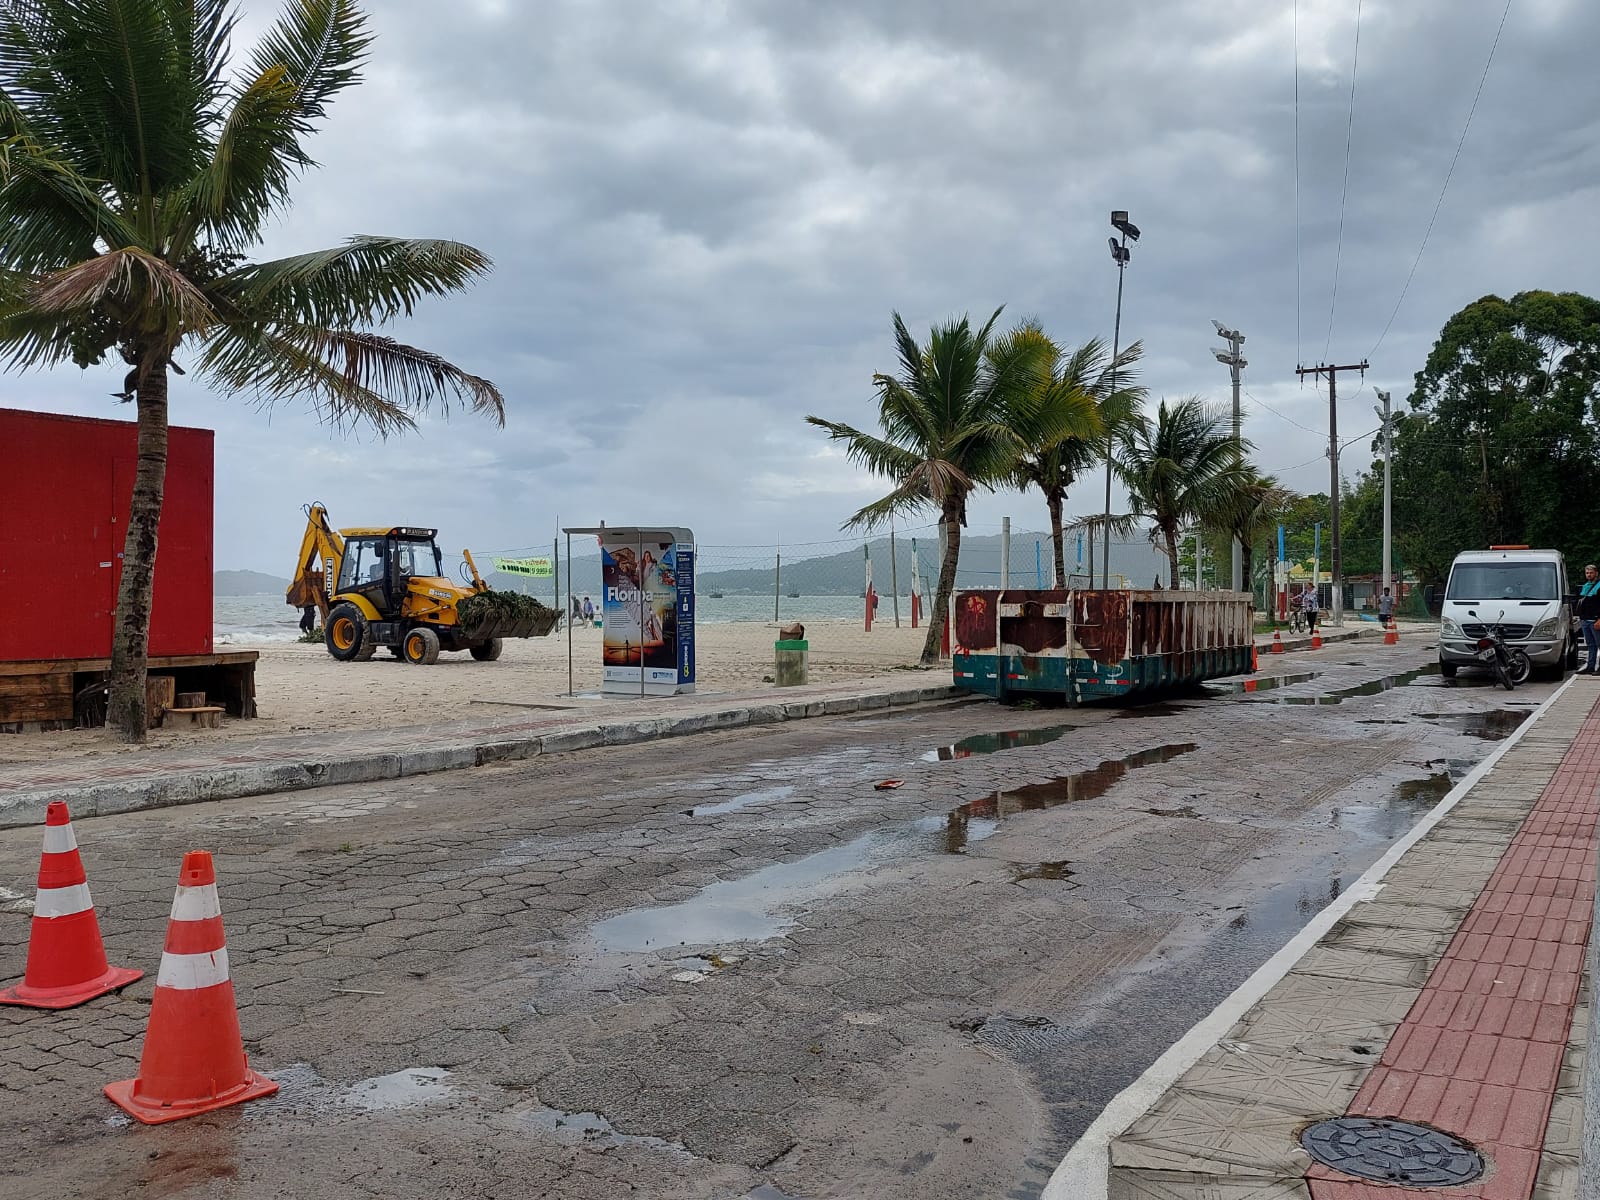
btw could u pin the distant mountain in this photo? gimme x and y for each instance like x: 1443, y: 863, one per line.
x: 844, y: 574
x: 247, y: 583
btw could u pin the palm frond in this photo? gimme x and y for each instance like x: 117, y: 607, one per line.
x: 351, y: 376
x: 314, y: 51
x: 879, y: 456
x: 368, y: 280
x: 131, y: 279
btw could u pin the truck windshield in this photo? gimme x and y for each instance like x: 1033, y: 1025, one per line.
x: 1503, y: 581
x: 418, y: 558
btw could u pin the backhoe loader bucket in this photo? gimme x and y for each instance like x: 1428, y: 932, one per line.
x: 504, y: 615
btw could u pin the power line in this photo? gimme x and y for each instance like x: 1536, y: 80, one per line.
x: 1280, y: 415
x: 1438, y: 204
x: 1349, y: 133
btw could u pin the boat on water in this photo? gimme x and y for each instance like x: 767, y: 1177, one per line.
x: 716, y: 595
x: 794, y: 595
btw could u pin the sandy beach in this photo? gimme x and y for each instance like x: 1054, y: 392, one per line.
x: 301, y: 688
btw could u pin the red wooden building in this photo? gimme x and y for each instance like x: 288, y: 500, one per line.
x: 68, y: 482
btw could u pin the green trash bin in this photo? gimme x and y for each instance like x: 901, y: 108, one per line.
x: 791, y: 662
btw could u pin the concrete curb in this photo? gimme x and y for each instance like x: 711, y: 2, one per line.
x: 287, y: 775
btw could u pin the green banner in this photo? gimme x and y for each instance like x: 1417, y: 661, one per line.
x: 525, y: 566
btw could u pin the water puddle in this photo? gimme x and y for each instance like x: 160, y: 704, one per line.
x: 992, y: 743
x: 1388, y: 818
x: 744, y: 910
x: 978, y: 819
x: 1495, y: 725
x: 1240, y: 687
x: 1372, y: 688
x: 412, y: 1088
x: 1046, y: 870
x: 586, y: 1129
x: 738, y: 910
x: 738, y: 802
x: 1285, y: 910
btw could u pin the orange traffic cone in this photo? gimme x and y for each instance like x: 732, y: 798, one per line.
x: 66, y: 959
x: 1391, y: 636
x: 1277, y: 642
x: 1254, y: 663
x: 1316, y: 641
x: 193, y: 1059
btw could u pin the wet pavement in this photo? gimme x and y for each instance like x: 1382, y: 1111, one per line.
x: 729, y: 967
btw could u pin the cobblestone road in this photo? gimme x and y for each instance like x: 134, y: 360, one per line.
x: 472, y: 985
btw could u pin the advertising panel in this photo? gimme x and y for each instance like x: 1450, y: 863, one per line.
x: 648, y: 611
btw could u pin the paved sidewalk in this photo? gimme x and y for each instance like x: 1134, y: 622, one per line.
x: 1449, y: 996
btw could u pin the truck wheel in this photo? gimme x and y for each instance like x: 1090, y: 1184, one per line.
x: 1447, y: 669
x: 487, y: 651
x: 420, y: 647
x: 368, y: 649
x: 346, y: 632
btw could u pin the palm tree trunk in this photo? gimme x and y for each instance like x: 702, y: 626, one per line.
x: 1056, y: 499
x: 1247, y: 560
x: 130, y: 637
x: 951, y: 520
x: 1171, y: 534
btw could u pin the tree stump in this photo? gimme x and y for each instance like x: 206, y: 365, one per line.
x: 159, y: 693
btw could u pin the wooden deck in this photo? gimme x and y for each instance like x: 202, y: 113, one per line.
x: 70, y: 692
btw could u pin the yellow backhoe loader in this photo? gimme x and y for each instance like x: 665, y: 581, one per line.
x: 386, y: 586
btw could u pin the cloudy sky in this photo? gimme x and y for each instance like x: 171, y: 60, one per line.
x: 703, y: 213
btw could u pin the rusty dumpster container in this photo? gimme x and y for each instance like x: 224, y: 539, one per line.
x: 1089, y: 644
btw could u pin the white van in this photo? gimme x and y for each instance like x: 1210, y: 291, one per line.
x: 1525, y: 591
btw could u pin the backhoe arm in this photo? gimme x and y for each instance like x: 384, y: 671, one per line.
x: 321, y: 554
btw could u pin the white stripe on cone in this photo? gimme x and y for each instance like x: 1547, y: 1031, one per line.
x: 196, y: 903
x: 58, y: 839
x: 62, y: 901
x: 191, y: 972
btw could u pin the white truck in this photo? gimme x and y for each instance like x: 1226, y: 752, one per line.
x: 1525, y: 591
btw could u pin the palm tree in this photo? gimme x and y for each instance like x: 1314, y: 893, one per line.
x: 1248, y: 509
x: 1178, y: 469
x: 1084, y: 395
x: 946, y: 432
x: 138, y: 171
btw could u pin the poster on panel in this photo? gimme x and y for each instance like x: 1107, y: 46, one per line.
x: 648, y: 611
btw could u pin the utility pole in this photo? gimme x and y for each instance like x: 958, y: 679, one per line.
x: 1235, y: 362
x: 1336, y: 564
x: 1121, y: 255
x: 1005, y: 553
x: 1388, y: 458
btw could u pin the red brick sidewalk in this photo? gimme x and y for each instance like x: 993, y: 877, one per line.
x: 1479, y: 1054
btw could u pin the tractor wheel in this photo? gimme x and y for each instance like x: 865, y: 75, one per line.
x: 487, y: 651
x: 368, y: 649
x: 420, y: 647
x: 346, y: 632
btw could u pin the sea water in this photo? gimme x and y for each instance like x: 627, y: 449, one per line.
x: 252, y: 620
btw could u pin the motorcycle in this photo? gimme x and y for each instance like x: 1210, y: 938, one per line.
x: 1510, y: 664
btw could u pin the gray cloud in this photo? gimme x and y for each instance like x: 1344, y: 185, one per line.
x: 702, y: 215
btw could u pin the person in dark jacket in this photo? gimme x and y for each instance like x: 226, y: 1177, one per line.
x: 1588, y: 614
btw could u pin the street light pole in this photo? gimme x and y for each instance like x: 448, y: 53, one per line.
x: 1235, y: 362
x: 1120, y: 254
x: 1388, y: 458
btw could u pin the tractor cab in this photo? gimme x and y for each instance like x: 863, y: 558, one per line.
x: 383, y: 566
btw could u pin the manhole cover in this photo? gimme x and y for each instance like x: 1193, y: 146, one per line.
x: 1392, y: 1152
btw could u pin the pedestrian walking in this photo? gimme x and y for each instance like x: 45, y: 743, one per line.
x: 588, y: 611
x: 1588, y: 614
x: 1308, y: 606
x: 1385, y: 610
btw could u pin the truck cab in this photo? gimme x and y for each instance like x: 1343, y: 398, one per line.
x: 1522, y: 589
